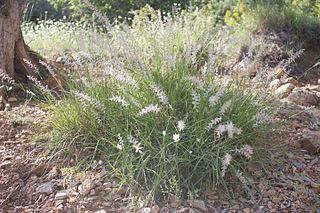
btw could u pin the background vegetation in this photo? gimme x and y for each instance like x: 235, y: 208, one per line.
x: 77, y: 9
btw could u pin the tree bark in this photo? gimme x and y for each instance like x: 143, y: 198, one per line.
x: 17, y: 61
x: 13, y: 51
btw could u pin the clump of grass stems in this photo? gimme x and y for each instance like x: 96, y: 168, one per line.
x: 157, y: 114
x: 149, y: 143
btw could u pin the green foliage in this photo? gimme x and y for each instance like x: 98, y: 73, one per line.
x: 232, y: 18
x: 43, y: 9
x: 297, y: 20
x: 115, y: 9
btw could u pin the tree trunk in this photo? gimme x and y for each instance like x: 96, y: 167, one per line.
x: 15, y: 57
x: 17, y: 62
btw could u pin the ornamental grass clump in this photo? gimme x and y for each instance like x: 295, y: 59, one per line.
x: 150, y: 135
x: 158, y: 115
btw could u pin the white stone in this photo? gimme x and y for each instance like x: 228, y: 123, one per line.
x: 292, y: 81
x: 304, y: 97
x: 146, y: 210
x: 12, y: 99
x: 275, y: 84
x: 284, y: 90
x: 198, y: 204
x: 155, y: 209
x: 5, y: 164
x: 311, y: 141
x: 45, y: 188
x: 101, y: 211
x: 86, y: 187
x: 61, y: 195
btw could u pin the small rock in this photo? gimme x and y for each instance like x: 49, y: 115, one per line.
x: 284, y: 90
x: 246, y: 210
x: 198, y: 204
x: 175, y: 204
x: 193, y: 211
x: 275, y: 84
x: 107, y: 204
x: 240, y: 67
x: 107, y: 185
x: 184, y: 210
x: 292, y: 81
x: 315, y: 88
x: 108, y: 190
x: 236, y: 207
x: 7, y: 107
x: 92, y: 192
x: 12, y: 99
x: 311, y: 141
x: 45, y: 188
x: 290, y: 155
x: 313, y: 162
x: 304, y: 97
x: 315, y: 185
x: 8, y: 157
x: 60, y: 207
x: 59, y: 60
x: 278, y: 73
x: 5, y: 164
x: 253, y: 70
x: 101, y: 211
x: 39, y: 170
x: 146, y: 210
x: 92, y: 198
x: 53, y: 173
x: 155, y: 209
x: 298, y: 165
x: 61, y: 195
x: 86, y: 187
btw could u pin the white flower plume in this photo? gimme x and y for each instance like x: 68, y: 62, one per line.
x: 230, y: 129
x: 148, y: 109
x: 225, y: 107
x: 181, y: 125
x: 120, y: 142
x: 176, y: 137
x: 213, y: 100
x: 225, y: 163
x: 195, y: 101
x: 135, y: 144
x: 242, y: 179
x: 160, y: 94
x: 195, y: 80
x: 213, y: 123
x: 121, y: 75
x: 120, y: 100
x: 261, y: 117
x: 246, y: 151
